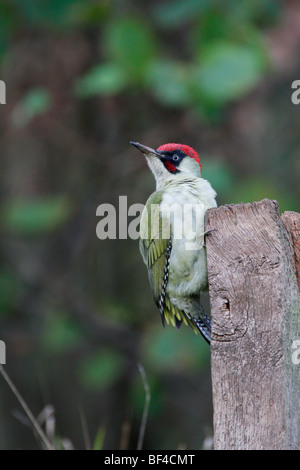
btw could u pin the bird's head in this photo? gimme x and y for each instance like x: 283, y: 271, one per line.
x: 171, y: 160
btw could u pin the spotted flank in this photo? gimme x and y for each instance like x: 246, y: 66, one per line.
x: 162, y: 299
x: 204, y: 326
x: 171, y: 315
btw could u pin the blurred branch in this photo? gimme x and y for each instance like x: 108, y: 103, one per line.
x: 34, y: 422
x: 146, y: 407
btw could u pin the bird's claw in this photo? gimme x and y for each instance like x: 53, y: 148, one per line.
x: 207, y: 232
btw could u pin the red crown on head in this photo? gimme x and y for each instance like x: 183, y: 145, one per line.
x: 185, y: 148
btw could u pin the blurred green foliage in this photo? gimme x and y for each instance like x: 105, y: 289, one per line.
x: 227, y: 71
x: 36, y: 216
x: 167, y: 351
x: 34, y: 103
x: 98, y: 443
x: 228, y: 62
x: 60, y: 334
x: 101, y: 369
x: 105, y: 79
x: 226, y: 53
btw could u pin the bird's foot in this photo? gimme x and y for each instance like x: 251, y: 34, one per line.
x: 207, y: 232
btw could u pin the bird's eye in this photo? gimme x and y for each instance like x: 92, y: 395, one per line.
x: 175, y: 158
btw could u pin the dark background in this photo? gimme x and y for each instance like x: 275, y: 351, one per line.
x: 83, y: 78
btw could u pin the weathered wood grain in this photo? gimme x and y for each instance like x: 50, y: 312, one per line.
x: 255, y: 317
x: 291, y: 221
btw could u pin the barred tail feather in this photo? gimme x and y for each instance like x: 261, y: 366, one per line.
x: 204, y: 326
x: 201, y: 320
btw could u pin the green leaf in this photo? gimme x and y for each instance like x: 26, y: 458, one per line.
x: 34, y: 103
x: 37, y: 101
x: 35, y: 217
x: 212, y: 26
x: 130, y: 43
x: 106, y: 79
x: 100, y: 370
x: 60, y: 333
x: 99, y: 439
x: 170, y: 82
x: 228, y: 71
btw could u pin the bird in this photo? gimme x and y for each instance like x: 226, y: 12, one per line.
x: 172, y: 237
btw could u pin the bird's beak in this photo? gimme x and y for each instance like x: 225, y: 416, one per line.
x: 146, y: 150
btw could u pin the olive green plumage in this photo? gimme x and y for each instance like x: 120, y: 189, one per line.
x: 153, y: 247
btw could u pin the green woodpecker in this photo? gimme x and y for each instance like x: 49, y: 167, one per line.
x: 172, y: 235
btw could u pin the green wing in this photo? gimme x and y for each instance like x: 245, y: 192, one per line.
x: 154, y: 239
x: 152, y: 244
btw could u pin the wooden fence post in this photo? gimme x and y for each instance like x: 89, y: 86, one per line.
x: 252, y: 262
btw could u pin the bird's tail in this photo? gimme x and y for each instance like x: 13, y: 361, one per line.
x: 202, y: 322
x: 190, y: 312
x: 197, y: 318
